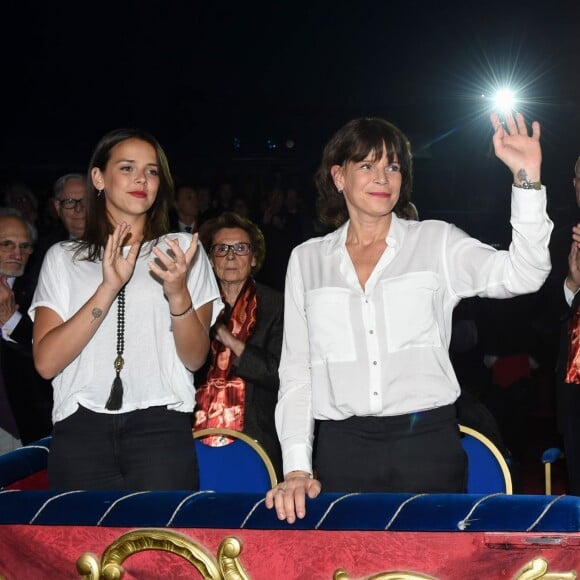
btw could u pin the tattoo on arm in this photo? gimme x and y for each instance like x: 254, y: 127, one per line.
x: 97, y: 313
x: 522, y: 176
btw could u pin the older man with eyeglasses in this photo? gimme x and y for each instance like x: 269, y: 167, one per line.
x: 69, y: 203
x: 29, y: 397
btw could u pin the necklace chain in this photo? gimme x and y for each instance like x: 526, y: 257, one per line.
x: 115, y: 401
x: 119, y: 361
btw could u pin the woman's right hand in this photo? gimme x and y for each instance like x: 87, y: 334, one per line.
x: 117, y: 269
x: 56, y: 342
x: 289, y: 497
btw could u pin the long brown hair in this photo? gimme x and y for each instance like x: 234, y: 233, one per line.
x: 98, y: 226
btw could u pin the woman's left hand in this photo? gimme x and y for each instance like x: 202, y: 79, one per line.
x: 172, y: 266
x: 520, y: 151
x: 289, y: 497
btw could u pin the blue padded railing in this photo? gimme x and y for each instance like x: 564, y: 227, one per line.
x: 330, y: 511
x: 495, y: 512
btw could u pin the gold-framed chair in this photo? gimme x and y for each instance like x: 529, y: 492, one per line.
x: 487, y: 471
x: 240, y: 466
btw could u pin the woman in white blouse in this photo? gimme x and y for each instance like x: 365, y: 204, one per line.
x: 368, y: 313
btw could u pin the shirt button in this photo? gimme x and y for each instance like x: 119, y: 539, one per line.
x: 375, y: 362
x: 371, y: 331
x: 375, y: 394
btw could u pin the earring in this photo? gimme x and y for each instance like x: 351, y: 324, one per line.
x: 100, y: 192
x: 341, y: 191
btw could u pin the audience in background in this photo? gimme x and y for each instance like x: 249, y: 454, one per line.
x: 282, y: 234
x: 29, y: 395
x: 204, y: 202
x: 221, y: 200
x: 69, y: 203
x: 510, y: 351
x: 561, y: 307
x: 21, y: 197
x: 240, y: 206
x: 183, y: 215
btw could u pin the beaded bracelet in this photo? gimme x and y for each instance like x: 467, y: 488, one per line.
x: 184, y: 314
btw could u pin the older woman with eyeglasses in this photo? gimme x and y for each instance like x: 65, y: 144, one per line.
x: 239, y: 388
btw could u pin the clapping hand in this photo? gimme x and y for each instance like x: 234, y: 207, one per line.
x: 172, y: 267
x: 117, y: 269
x: 8, y: 305
x: 573, y: 279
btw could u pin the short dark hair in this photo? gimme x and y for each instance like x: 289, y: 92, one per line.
x: 229, y: 219
x: 97, y: 226
x: 352, y: 143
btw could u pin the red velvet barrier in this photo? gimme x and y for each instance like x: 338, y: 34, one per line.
x: 28, y: 551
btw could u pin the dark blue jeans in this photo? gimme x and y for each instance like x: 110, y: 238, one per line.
x: 416, y: 453
x: 148, y: 449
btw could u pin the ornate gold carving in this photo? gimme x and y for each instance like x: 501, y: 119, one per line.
x: 110, y: 567
x: 534, y: 570
x: 341, y: 574
x: 538, y: 568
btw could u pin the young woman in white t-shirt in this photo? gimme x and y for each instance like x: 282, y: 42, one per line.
x: 121, y: 320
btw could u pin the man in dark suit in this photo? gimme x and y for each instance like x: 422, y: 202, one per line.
x: 183, y: 216
x: 559, y: 320
x: 29, y: 395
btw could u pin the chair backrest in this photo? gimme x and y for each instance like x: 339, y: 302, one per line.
x: 25, y: 467
x: 487, y: 471
x: 241, y: 466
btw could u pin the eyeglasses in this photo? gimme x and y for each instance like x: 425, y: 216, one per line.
x: 71, y: 203
x: 10, y: 246
x: 239, y: 249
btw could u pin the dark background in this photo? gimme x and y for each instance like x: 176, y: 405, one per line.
x: 214, y: 82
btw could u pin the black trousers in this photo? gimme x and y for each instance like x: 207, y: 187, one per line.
x: 417, y: 453
x: 149, y: 449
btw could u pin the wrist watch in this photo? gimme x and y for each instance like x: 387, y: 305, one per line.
x: 529, y: 185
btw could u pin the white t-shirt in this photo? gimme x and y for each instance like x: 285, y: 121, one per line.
x: 383, y: 350
x: 153, y: 374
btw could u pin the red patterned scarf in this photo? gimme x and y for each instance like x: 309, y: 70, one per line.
x: 221, y: 399
x: 573, y: 365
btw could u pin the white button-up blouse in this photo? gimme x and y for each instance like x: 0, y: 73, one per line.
x: 383, y: 350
